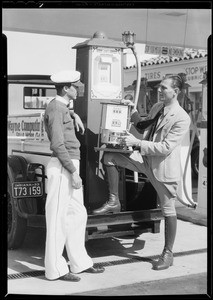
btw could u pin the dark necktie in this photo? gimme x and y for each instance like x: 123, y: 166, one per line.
x: 144, y: 124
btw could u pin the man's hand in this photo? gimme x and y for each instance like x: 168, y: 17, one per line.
x: 127, y: 102
x: 76, y: 180
x: 130, y: 140
x: 78, y: 123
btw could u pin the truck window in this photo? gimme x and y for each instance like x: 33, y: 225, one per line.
x: 38, y: 97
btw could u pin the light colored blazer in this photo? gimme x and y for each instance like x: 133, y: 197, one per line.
x: 164, y: 151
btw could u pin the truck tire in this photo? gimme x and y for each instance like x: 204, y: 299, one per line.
x: 16, y: 226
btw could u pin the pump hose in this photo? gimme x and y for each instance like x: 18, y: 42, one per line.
x: 138, y: 78
x: 191, y: 201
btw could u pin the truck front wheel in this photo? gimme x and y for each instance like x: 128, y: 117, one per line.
x: 16, y: 226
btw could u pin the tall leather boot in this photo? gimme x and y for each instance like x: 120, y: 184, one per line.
x: 166, y: 258
x: 113, y: 204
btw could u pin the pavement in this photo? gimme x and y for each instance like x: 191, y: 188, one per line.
x: 127, y: 260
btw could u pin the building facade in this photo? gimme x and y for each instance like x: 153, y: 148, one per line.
x: 153, y: 70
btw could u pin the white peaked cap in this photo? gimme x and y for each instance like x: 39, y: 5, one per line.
x: 66, y: 77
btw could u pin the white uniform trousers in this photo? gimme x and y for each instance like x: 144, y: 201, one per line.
x: 66, y: 218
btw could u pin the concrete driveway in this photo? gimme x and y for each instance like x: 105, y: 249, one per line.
x: 127, y: 260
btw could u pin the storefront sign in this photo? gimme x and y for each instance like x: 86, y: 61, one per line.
x: 195, y: 73
x: 164, y: 50
x: 153, y: 75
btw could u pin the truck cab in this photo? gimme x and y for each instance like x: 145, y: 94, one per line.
x: 28, y: 152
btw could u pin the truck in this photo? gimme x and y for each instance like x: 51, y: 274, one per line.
x: 28, y: 156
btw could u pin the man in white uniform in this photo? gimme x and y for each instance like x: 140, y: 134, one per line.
x: 66, y: 215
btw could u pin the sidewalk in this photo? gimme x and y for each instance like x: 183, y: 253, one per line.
x: 127, y: 260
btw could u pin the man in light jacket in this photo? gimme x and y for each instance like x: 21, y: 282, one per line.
x: 158, y: 156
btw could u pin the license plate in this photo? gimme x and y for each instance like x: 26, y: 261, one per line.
x: 27, y: 189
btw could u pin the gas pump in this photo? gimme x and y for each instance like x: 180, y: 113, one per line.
x: 100, y: 61
x: 202, y: 177
x: 106, y: 119
x: 115, y: 121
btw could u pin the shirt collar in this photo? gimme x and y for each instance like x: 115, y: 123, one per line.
x: 169, y: 107
x: 61, y: 99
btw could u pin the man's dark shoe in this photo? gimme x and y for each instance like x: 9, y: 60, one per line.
x: 164, y: 261
x: 70, y: 277
x: 95, y: 270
